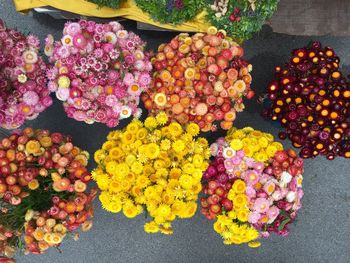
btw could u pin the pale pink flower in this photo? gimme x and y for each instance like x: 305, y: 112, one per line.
x: 253, y: 217
x: 30, y: 98
x: 261, y: 205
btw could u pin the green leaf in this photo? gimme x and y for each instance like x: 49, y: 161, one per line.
x: 284, y: 222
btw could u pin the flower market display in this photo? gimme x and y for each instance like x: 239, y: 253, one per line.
x: 253, y: 187
x: 43, y: 191
x: 23, y: 83
x: 100, y: 71
x: 241, y: 18
x: 310, y: 97
x: 171, y: 11
x: 201, y: 79
x: 154, y: 168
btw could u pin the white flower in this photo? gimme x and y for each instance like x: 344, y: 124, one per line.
x: 89, y: 121
x: 110, y: 37
x: 67, y: 40
x: 250, y: 67
x: 299, y: 180
x: 62, y: 94
x: 291, y: 196
x: 285, y: 179
x: 277, y: 195
x: 22, y: 78
x: 228, y: 152
x: 125, y: 112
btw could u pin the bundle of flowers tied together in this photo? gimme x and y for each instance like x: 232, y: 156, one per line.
x: 253, y: 187
x: 23, y: 83
x: 100, y: 71
x: 310, y: 97
x: 43, y: 191
x: 152, y: 167
x: 201, y: 79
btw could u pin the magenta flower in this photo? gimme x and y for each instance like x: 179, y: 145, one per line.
x: 28, y: 85
x: 93, y: 66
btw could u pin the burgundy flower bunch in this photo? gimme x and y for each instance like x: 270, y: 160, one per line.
x: 23, y: 82
x: 311, y: 99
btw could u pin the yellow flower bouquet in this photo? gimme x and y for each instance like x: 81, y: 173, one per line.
x: 152, y: 167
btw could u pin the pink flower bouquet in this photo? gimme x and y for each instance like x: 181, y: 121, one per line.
x: 100, y: 71
x: 23, y: 82
x: 253, y: 187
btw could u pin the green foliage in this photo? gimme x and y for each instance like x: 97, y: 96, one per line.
x: 109, y: 3
x: 250, y: 21
x: 38, y: 200
x: 165, y: 11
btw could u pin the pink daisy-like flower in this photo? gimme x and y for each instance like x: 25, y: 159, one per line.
x: 128, y: 79
x: 123, y: 34
x: 52, y: 73
x: 30, y: 98
x: 9, y: 43
x: 63, y: 52
x: 250, y: 177
x: 52, y: 86
x: 114, y: 54
x: 129, y: 59
x: 85, y: 104
x: 100, y: 115
x: 98, y: 66
x: 111, y: 123
x: 261, y: 205
x: 19, y: 61
x: 139, y: 65
x: 79, y: 115
x: 250, y: 192
x: 73, y: 28
x: 62, y: 94
x: 272, y: 213
x: 21, y: 46
x: 49, y: 40
x: 98, y: 53
x: 98, y: 38
x: 30, y: 57
x: 110, y: 37
x: 33, y: 41
x: 115, y: 26
x: 99, y: 28
x: 111, y: 100
x: 83, y: 23
x: 46, y: 101
x: 113, y: 75
x: 130, y: 44
x: 144, y: 79
x: 253, y: 217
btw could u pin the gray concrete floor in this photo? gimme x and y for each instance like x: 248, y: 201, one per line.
x: 321, y: 233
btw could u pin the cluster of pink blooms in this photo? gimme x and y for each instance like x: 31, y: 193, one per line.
x: 100, y: 71
x: 23, y: 82
x: 273, y: 189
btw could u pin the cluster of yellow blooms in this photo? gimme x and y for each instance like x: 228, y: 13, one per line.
x: 154, y: 167
x: 256, y: 144
x: 233, y: 226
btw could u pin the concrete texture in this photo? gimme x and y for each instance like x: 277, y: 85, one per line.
x: 321, y: 233
x: 312, y: 17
